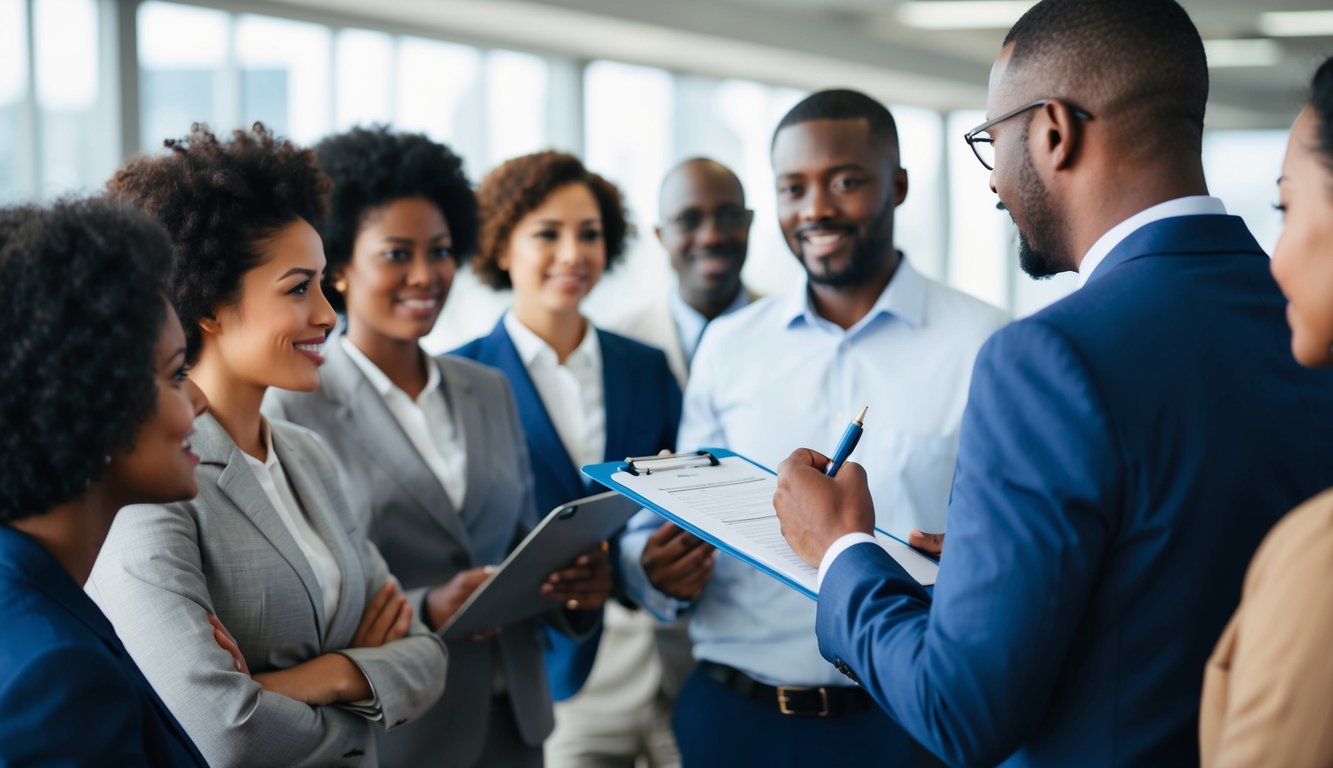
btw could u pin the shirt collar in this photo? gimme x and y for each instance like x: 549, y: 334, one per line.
x: 377, y: 378
x: 532, y: 347
x: 690, y: 319
x: 904, y: 298
x: 1194, y: 205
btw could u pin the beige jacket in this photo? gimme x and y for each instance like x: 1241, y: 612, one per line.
x: 1268, y: 688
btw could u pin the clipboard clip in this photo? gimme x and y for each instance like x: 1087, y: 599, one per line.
x: 636, y: 465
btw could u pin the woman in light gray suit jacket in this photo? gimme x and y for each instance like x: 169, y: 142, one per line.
x: 313, y: 648
x: 432, y: 447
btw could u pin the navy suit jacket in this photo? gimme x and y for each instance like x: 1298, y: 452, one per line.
x: 69, y: 692
x: 1122, y: 454
x: 642, y: 414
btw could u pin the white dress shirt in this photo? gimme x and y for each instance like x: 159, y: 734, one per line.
x: 572, y: 392
x: 427, y: 422
x: 776, y: 376
x: 274, y: 481
x: 1197, y: 205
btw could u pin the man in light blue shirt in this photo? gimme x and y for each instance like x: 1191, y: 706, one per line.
x: 704, y: 227
x: 864, y: 328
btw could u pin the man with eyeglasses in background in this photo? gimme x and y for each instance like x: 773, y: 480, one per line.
x: 863, y: 328
x: 704, y: 227
x: 1124, y: 450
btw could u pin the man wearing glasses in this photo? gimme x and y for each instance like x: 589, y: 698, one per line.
x: 863, y: 328
x: 1123, y: 451
x: 705, y: 230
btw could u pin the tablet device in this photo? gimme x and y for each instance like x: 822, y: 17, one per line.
x: 513, y: 592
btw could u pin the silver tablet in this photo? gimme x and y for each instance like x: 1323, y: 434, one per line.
x: 513, y: 592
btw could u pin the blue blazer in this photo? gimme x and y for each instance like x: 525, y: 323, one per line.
x: 69, y: 692
x: 1122, y: 454
x: 642, y: 414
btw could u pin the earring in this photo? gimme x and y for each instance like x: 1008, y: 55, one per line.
x: 340, y: 285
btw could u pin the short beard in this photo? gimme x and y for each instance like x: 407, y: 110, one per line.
x: 1045, y: 258
x: 868, y: 255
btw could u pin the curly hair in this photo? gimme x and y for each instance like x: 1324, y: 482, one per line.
x: 370, y: 167
x: 521, y: 185
x: 81, y: 309
x: 220, y: 200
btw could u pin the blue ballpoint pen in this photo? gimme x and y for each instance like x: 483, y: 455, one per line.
x: 847, y: 444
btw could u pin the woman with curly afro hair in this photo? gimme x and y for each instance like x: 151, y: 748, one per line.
x: 97, y: 414
x: 550, y: 228
x: 318, y: 648
x: 433, y: 446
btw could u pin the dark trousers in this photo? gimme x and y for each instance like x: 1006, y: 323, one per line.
x: 716, y: 726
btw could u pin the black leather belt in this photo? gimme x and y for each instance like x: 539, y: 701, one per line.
x: 792, y: 700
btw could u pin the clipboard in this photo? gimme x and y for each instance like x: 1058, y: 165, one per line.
x: 727, y: 500
x: 513, y: 592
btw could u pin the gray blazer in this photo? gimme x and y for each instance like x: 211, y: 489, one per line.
x: 163, y: 569
x: 426, y: 540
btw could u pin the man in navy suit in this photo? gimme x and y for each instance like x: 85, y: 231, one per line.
x: 1122, y: 453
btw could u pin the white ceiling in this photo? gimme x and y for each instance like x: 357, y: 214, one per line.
x: 821, y: 43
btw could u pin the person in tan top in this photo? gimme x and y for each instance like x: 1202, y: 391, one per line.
x: 1268, y: 688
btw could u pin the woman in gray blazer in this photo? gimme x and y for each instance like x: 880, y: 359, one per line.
x: 314, y: 649
x: 432, y: 448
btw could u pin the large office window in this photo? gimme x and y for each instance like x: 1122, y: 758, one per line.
x: 57, y: 103
x: 183, y: 72
x: 15, y: 165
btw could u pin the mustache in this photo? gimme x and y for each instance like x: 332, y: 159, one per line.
x: 717, y: 252
x: 824, y: 226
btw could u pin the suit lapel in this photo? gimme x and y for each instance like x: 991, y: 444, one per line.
x: 318, y: 508
x: 385, y: 442
x: 544, y: 443
x: 616, y: 394
x: 465, y: 408
x: 1181, y: 235
x: 239, y: 484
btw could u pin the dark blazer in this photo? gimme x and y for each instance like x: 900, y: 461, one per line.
x: 69, y: 692
x: 1122, y: 455
x: 642, y: 413
x: 426, y: 541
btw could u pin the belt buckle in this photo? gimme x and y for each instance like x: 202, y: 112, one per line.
x: 784, y: 701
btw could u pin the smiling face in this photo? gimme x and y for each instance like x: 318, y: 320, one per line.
x: 271, y: 336
x: 705, y: 231
x: 837, y: 186
x: 556, y: 253
x: 159, y: 468
x: 400, y: 271
x: 1303, y: 258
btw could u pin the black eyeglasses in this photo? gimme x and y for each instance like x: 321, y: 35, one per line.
x: 726, y: 219
x: 984, y: 146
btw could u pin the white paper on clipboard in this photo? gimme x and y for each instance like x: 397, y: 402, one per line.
x: 730, y: 504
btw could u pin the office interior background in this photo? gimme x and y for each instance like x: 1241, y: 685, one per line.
x: 633, y: 86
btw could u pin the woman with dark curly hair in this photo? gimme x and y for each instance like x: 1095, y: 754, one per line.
x: 97, y: 414
x: 549, y: 229
x: 1268, y: 686
x: 432, y: 447
x: 319, y: 648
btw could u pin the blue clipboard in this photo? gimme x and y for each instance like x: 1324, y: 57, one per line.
x: 704, y: 457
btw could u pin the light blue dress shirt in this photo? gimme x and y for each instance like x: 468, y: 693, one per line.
x: 775, y: 376
x: 691, y: 324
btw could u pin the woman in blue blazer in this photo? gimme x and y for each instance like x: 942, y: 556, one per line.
x: 97, y: 414
x: 550, y: 228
